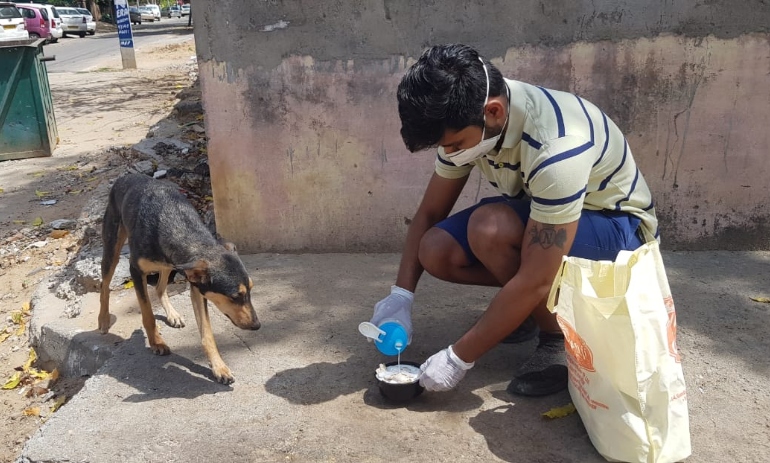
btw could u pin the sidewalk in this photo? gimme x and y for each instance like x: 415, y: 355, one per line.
x: 305, y: 390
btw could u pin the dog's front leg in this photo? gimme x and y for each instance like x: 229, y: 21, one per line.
x: 221, y: 372
x: 148, y: 318
x: 172, y: 316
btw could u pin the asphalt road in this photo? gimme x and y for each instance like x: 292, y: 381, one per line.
x: 74, y: 54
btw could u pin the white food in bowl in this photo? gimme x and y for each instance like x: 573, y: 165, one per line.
x: 398, y: 374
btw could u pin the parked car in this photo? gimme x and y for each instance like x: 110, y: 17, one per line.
x: 12, y: 25
x: 172, y: 11
x: 35, y: 23
x: 52, y: 16
x: 147, y: 14
x: 73, y: 21
x: 185, y: 9
x: 155, y: 11
x: 135, y: 15
x: 90, y: 23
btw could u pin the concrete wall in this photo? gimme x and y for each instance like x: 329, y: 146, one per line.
x: 305, y: 151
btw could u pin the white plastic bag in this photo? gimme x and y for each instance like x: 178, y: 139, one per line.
x: 625, y: 374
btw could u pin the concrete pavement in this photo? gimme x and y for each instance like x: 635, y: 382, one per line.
x: 305, y: 390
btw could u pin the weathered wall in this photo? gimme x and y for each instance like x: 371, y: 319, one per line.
x: 305, y: 151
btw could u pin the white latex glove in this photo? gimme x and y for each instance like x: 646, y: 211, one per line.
x: 397, y: 307
x: 442, y: 371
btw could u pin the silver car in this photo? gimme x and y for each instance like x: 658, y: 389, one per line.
x: 73, y: 21
x: 90, y: 23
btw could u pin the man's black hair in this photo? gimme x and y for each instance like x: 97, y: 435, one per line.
x: 443, y: 90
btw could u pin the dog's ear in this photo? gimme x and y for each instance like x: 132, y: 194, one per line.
x: 196, y: 271
x: 228, y: 245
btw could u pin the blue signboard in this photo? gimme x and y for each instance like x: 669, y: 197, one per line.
x: 123, y: 18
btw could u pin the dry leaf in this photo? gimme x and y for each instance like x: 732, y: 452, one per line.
x: 129, y: 284
x: 75, y: 192
x: 36, y: 391
x: 22, y: 327
x: 13, y: 382
x: 760, y: 299
x: 16, y: 317
x: 30, y: 360
x: 56, y: 234
x: 58, y: 403
x: 40, y: 194
x: 4, y: 335
x: 38, y: 174
x: 2, y: 191
x: 91, y: 179
x: 37, y: 222
x: 32, y: 411
x: 208, y: 198
x: 54, y: 375
x: 560, y: 412
x: 25, y: 308
x: 19, y: 222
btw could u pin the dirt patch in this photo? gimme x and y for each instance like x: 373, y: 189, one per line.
x: 50, y: 208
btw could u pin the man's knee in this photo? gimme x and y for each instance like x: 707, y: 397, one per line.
x: 493, y: 228
x: 439, y: 252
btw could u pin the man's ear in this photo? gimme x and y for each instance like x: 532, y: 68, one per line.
x: 196, y: 271
x: 495, y: 108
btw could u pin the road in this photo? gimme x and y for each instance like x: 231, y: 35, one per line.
x: 74, y: 54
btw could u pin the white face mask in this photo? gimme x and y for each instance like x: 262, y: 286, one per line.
x: 468, y: 155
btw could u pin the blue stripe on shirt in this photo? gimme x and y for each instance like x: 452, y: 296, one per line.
x: 443, y: 161
x: 560, y: 157
x: 604, y: 183
x: 590, y: 122
x: 531, y: 141
x: 557, y: 110
x: 652, y: 204
x: 559, y: 201
x: 606, y: 138
x: 630, y: 192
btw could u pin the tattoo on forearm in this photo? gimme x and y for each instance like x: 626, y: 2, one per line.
x: 548, y: 236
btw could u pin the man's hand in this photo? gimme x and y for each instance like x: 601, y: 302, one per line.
x: 397, y: 307
x: 442, y: 371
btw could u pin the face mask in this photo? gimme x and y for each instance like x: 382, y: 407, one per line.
x: 468, y: 155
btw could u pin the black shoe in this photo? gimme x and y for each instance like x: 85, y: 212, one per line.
x: 545, y: 373
x: 526, y: 331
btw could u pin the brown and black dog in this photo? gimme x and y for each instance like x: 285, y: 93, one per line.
x: 165, y: 234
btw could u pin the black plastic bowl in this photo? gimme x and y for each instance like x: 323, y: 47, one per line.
x: 400, y: 393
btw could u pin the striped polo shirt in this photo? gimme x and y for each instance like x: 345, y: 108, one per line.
x: 563, y: 154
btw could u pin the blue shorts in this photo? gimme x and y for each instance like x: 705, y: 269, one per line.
x: 600, y: 234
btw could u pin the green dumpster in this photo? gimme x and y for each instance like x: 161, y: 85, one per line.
x: 27, y: 123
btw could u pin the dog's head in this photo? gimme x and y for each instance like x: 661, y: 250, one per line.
x: 223, y: 280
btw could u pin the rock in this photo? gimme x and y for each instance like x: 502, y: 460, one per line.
x: 159, y: 174
x: 144, y: 167
x: 186, y: 107
x: 64, y: 224
x: 197, y: 128
x: 88, y: 273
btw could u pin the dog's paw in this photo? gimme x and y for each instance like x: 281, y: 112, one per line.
x: 160, y: 349
x: 223, y: 374
x: 104, y: 325
x: 175, y: 321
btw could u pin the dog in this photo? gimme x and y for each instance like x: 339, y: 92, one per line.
x: 165, y: 234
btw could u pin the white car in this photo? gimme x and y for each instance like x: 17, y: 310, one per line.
x: 11, y: 23
x: 73, y: 21
x: 155, y: 11
x: 185, y: 9
x: 147, y: 13
x: 54, y: 21
x: 90, y: 23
